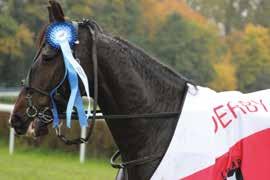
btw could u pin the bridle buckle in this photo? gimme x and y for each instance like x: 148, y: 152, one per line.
x: 46, y: 118
x: 31, y: 111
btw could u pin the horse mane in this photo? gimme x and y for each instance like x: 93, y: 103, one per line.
x: 95, y: 25
x: 153, y: 60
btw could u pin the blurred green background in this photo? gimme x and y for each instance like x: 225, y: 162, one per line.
x: 224, y: 44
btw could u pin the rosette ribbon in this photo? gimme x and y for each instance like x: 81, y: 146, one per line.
x: 63, y: 35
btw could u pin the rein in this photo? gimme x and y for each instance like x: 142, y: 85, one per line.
x: 130, y: 116
x: 32, y: 111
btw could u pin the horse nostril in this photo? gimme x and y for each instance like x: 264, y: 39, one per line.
x: 19, y: 124
x: 16, y: 120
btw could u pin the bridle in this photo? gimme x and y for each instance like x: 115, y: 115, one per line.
x: 44, y: 115
x: 32, y: 111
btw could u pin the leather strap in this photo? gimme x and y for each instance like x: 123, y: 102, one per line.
x: 133, y: 163
x: 129, y: 116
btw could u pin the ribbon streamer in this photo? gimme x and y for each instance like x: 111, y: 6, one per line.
x: 74, y: 69
x: 62, y: 35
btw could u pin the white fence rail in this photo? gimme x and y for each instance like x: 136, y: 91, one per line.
x: 8, y: 109
x: 9, y: 93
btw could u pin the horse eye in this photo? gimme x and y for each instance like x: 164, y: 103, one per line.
x: 47, y: 57
x: 48, y: 53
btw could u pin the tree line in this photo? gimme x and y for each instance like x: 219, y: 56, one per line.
x: 224, y: 44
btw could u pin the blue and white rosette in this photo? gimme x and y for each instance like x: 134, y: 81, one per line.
x: 63, y: 35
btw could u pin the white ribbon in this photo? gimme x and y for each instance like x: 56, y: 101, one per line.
x: 64, y: 44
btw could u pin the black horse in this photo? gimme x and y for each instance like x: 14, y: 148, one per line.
x: 130, y: 82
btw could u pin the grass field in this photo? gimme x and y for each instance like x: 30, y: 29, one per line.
x: 7, y: 100
x: 37, y: 164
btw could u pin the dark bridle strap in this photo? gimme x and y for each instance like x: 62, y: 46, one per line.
x: 133, y: 163
x: 111, y: 117
x: 37, y: 90
x: 128, y: 116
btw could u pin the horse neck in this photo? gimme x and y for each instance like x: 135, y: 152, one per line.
x: 131, y: 82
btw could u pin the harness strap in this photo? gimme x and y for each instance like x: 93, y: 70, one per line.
x: 134, y: 116
x: 37, y: 90
x: 130, y: 116
x: 133, y: 163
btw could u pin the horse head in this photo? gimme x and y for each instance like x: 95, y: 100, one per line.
x: 32, y: 111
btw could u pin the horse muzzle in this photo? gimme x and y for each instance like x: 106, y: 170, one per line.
x: 20, y: 126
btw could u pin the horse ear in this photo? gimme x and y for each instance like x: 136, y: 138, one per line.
x: 57, y: 13
x: 51, y: 18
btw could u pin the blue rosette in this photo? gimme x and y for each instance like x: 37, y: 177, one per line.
x: 63, y: 35
x: 60, y: 31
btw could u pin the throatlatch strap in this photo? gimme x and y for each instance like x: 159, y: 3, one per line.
x: 137, y: 162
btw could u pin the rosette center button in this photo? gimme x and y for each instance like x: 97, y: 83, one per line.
x: 61, y: 35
